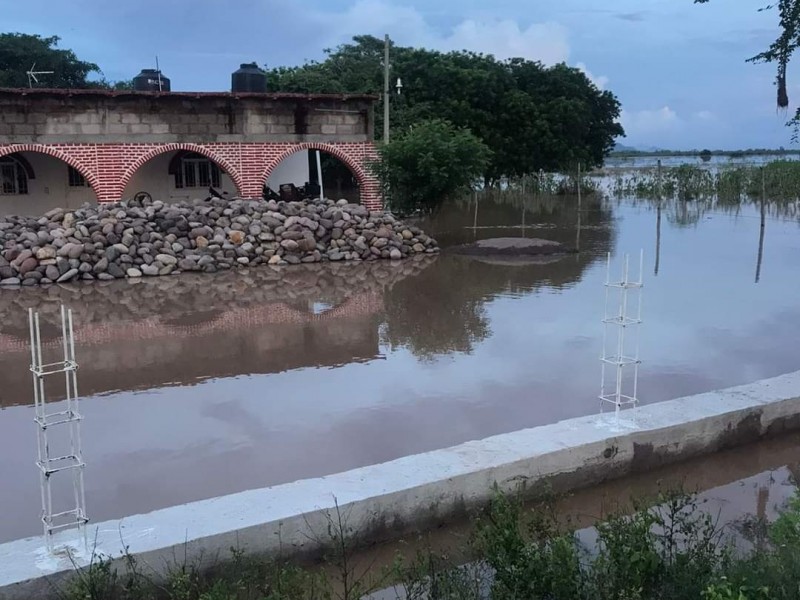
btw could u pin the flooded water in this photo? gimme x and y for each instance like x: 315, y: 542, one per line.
x: 194, y: 386
x: 641, y: 162
x: 743, y: 489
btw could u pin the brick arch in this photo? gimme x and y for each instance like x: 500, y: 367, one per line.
x: 153, y: 152
x: 352, y: 163
x: 89, y: 175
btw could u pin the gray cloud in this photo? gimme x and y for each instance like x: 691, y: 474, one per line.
x: 668, y: 62
x: 634, y: 17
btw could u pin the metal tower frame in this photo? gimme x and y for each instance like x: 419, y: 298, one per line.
x: 617, y: 358
x: 72, y: 462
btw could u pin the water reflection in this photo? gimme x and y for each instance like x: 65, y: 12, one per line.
x: 658, y: 238
x: 179, y: 330
x: 761, y: 242
x: 221, y: 383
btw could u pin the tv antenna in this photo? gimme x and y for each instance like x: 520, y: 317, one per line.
x: 158, y: 70
x: 33, y: 73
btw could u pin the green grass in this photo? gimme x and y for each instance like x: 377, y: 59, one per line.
x: 777, y: 181
x: 673, y: 550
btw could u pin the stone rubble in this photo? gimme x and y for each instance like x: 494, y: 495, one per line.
x: 137, y: 239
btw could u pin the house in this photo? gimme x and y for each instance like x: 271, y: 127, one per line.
x: 62, y: 148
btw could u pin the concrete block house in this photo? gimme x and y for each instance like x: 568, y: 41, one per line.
x: 62, y: 148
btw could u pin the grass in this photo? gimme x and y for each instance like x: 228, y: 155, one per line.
x: 674, y: 550
x: 776, y: 181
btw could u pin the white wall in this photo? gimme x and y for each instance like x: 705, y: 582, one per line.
x: 292, y: 169
x: 153, y: 177
x: 49, y: 189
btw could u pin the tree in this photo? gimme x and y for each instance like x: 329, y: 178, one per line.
x: 782, y: 49
x: 19, y: 51
x: 531, y: 117
x: 427, y: 164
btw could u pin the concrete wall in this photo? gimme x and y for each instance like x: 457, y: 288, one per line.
x: 109, y: 136
x: 49, y: 189
x: 292, y: 169
x: 385, y: 501
x: 55, y: 117
x: 109, y: 167
x: 153, y: 177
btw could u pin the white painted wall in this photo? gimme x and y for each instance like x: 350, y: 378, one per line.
x: 153, y: 177
x: 292, y: 169
x: 49, y: 189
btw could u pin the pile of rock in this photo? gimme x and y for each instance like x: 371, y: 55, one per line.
x: 148, y: 238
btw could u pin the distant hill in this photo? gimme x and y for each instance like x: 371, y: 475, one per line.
x: 624, y: 148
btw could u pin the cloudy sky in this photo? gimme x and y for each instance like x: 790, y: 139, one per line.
x: 678, y: 68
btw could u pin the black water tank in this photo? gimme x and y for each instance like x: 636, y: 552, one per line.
x: 249, y: 78
x: 148, y: 81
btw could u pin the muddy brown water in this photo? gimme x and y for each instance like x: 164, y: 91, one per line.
x: 741, y: 488
x: 195, y: 386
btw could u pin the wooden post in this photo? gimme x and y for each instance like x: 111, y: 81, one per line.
x: 386, y: 89
x: 658, y: 218
x: 475, y: 219
x: 763, y: 224
x: 578, y: 224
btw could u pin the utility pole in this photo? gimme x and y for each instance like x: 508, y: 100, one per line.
x: 386, y: 90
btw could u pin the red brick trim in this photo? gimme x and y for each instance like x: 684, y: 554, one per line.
x: 108, y: 168
x: 88, y: 174
x: 156, y: 150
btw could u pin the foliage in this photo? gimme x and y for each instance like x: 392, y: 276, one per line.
x: 427, y: 164
x: 672, y: 550
x: 531, y: 117
x: 19, y: 51
x: 781, y: 50
x: 529, y: 560
x: 778, y: 181
x: 430, y: 576
x: 724, y: 591
x: 669, y: 552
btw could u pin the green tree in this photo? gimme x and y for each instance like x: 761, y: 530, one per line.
x: 19, y: 51
x: 531, y: 117
x: 427, y: 164
x: 781, y: 50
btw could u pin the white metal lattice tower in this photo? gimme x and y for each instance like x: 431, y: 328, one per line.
x: 68, y: 461
x: 619, y: 326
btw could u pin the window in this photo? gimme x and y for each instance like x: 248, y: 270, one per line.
x: 13, y: 179
x: 195, y: 170
x: 75, y: 178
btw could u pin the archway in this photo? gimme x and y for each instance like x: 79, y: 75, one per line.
x: 35, y: 179
x: 343, y: 177
x: 175, y: 172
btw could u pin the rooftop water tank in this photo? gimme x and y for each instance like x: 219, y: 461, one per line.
x: 249, y: 78
x: 151, y: 80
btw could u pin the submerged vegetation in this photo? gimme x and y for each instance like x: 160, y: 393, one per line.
x: 674, y: 550
x: 775, y: 181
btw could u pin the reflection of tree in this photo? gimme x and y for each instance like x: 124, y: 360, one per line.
x: 500, y: 214
x: 687, y: 214
x: 442, y: 309
x: 436, y: 312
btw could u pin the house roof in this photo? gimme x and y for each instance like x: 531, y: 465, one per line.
x: 101, y: 93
